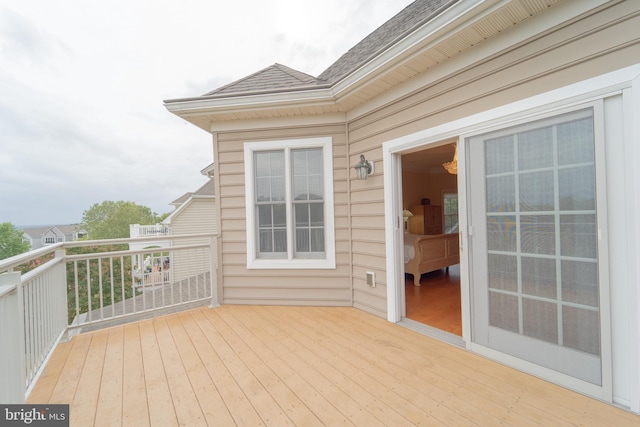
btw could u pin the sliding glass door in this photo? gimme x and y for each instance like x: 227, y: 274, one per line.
x: 536, y: 287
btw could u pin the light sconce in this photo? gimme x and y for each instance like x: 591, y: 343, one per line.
x: 364, y: 168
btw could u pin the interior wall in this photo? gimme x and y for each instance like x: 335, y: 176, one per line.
x: 419, y: 185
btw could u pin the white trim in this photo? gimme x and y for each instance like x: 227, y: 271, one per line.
x: 393, y: 234
x: 632, y: 165
x: 540, y: 372
x: 569, y: 96
x: 253, y: 262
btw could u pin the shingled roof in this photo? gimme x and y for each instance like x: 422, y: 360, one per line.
x: 208, y: 189
x: 280, y: 78
x: 411, y: 17
x: 274, y: 77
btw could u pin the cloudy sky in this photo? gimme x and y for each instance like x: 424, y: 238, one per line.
x: 82, y: 84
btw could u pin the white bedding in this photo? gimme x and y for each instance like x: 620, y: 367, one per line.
x: 409, y: 247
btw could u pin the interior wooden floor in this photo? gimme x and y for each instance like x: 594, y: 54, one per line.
x: 306, y: 366
x: 437, y: 301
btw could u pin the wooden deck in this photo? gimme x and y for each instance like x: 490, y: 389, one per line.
x: 256, y: 365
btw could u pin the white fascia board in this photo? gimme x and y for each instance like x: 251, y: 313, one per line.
x: 188, y: 107
x: 453, y: 20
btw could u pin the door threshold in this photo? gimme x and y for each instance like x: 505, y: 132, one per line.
x: 432, y: 332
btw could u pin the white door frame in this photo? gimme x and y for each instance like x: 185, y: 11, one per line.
x: 574, y: 94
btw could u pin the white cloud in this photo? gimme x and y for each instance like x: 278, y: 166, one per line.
x: 82, y: 85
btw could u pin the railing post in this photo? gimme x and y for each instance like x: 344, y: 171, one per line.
x: 62, y: 293
x: 213, y: 271
x: 12, y: 364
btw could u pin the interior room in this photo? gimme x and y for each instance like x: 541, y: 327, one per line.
x: 430, y: 210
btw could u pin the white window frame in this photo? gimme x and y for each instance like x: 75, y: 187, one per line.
x: 444, y: 209
x: 290, y: 262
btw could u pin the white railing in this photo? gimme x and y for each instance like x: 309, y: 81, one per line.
x: 89, y: 283
x: 137, y: 230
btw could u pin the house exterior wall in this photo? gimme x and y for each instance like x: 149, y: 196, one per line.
x: 197, y: 217
x: 589, y: 47
x: 470, y: 83
x: 586, y: 48
x: 278, y: 286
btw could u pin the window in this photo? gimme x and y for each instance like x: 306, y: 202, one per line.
x: 289, y: 201
x: 450, y: 212
x: 49, y: 240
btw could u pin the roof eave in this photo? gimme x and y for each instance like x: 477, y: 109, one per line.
x: 258, y: 101
x: 445, y: 25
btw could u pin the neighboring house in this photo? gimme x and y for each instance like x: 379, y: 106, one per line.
x: 539, y: 97
x: 39, y: 237
x: 194, y: 213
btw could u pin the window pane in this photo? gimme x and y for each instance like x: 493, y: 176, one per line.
x: 302, y: 240
x: 280, y: 240
x: 502, y: 233
x: 578, y: 236
x: 540, y: 319
x: 501, y: 194
x: 316, y: 211
x: 580, y: 282
x: 538, y: 234
x: 317, y: 240
x: 499, y: 155
x: 578, y: 145
x: 266, y: 241
x: 537, y: 191
x: 302, y: 215
x: 503, y: 272
x: 277, y: 189
x: 539, y: 277
x: 307, y: 174
x: 315, y: 187
x: 577, y: 188
x: 263, y: 189
x: 279, y: 215
x: 265, y: 219
x: 503, y: 311
x: 535, y: 149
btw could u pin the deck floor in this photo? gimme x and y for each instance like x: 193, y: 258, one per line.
x: 306, y: 366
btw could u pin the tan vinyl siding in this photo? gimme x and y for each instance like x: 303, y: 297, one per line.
x: 198, y: 216
x: 281, y: 286
x: 585, y: 48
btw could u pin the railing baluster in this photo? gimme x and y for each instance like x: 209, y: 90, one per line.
x: 89, y: 289
x: 75, y: 278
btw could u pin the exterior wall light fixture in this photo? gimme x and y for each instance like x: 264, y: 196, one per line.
x: 364, y: 168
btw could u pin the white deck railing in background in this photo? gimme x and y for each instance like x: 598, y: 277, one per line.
x: 137, y: 230
x: 38, y: 307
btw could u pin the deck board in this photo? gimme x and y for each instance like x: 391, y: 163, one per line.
x: 257, y: 365
x: 159, y: 399
x: 135, y: 410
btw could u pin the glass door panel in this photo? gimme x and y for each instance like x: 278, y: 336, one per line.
x: 535, y: 243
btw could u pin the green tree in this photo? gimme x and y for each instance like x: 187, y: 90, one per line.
x: 110, y: 220
x: 11, y: 242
